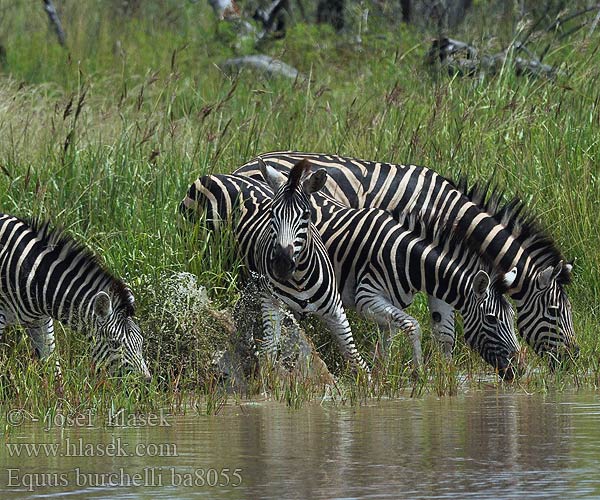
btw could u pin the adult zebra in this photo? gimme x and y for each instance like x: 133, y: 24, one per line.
x: 46, y: 275
x: 380, y: 264
x: 506, y: 234
x: 278, y: 241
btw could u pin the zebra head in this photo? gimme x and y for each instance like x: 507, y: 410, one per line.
x: 489, y: 321
x: 118, y: 338
x: 290, y: 214
x: 544, y: 314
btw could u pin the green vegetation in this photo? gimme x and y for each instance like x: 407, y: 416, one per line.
x: 105, y: 137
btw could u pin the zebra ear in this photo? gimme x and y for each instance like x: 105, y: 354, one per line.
x: 102, y: 305
x: 547, y: 275
x: 554, y: 273
x: 481, y: 284
x: 569, y: 267
x: 272, y: 177
x: 130, y: 297
x: 510, y: 276
x: 315, y: 181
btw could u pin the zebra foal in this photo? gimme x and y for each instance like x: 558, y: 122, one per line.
x: 504, y: 233
x: 45, y: 275
x: 277, y: 240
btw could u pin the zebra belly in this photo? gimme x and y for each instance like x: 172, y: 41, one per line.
x: 350, y: 285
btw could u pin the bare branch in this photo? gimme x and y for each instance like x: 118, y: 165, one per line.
x: 55, y: 21
x: 265, y: 64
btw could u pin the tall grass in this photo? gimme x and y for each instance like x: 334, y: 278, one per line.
x: 104, y: 138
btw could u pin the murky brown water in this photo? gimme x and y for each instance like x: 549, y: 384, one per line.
x: 490, y: 445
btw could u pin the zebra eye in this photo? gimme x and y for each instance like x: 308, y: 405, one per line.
x: 553, y: 308
x: 491, y: 319
x: 114, y: 344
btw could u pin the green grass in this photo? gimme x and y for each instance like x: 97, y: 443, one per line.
x: 105, y: 137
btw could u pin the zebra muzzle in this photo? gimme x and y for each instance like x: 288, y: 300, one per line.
x: 282, y: 261
x: 510, y: 367
x: 145, y: 372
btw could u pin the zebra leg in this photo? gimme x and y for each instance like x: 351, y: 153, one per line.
x: 339, y: 326
x: 386, y: 314
x: 442, y: 324
x: 271, y: 321
x: 42, y: 337
x: 2, y: 325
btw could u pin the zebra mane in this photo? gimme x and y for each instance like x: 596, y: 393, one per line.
x: 519, y: 221
x: 449, y: 237
x: 299, y: 170
x: 60, y: 240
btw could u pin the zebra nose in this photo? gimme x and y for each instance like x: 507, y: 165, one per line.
x: 146, y: 373
x: 282, y: 261
x: 507, y: 374
x: 509, y: 366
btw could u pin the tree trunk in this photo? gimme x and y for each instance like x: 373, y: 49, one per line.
x: 332, y: 12
x: 405, y: 6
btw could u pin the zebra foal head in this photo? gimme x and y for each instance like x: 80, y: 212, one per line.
x: 118, y: 338
x: 489, y: 321
x: 290, y: 214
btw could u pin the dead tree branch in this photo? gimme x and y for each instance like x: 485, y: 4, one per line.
x: 262, y: 63
x: 55, y: 21
x: 273, y: 17
x: 463, y: 59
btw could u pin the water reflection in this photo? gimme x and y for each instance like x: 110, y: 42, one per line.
x: 483, y: 444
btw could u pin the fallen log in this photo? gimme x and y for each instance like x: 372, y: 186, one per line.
x: 460, y: 58
x: 261, y: 63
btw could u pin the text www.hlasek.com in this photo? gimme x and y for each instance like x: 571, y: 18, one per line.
x: 78, y: 448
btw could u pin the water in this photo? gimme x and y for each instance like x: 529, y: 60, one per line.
x: 484, y: 444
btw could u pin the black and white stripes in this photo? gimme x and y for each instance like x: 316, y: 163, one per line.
x: 45, y: 275
x: 504, y: 233
x: 277, y: 240
x: 379, y: 265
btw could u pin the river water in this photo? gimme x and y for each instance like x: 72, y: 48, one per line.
x: 482, y: 444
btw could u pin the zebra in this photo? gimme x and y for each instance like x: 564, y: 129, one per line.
x: 45, y: 275
x: 277, y: 240
x: 505, y: 233
x: 379, y: 265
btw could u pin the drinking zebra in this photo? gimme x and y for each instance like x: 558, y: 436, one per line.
x: 278, y: 241
x: 505, y: 233
x: 45, y: 275
x: 379, y: 265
